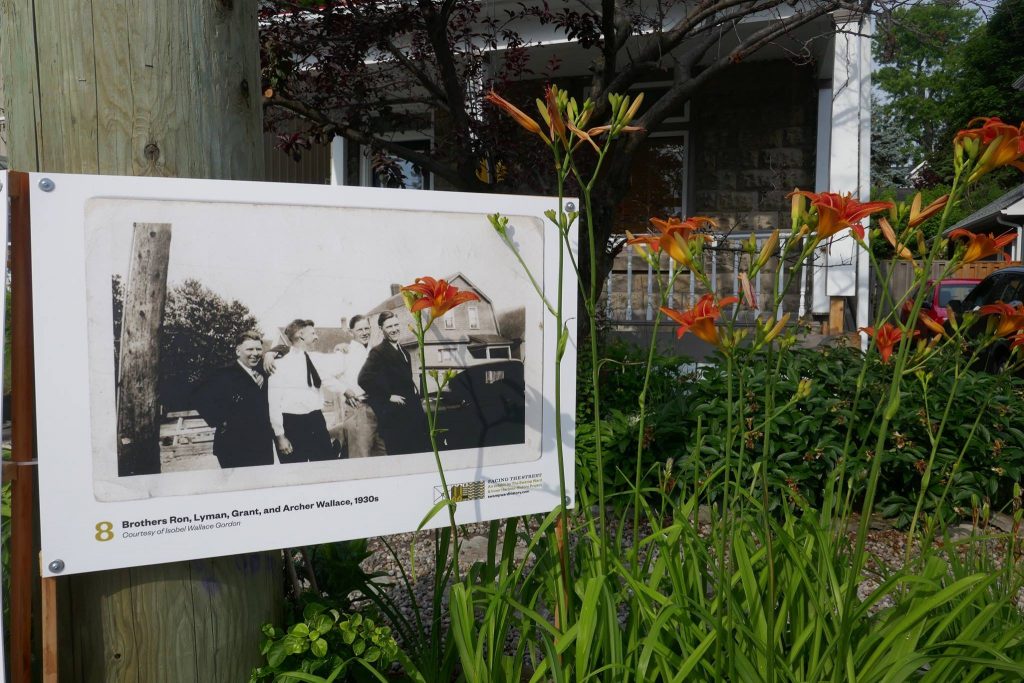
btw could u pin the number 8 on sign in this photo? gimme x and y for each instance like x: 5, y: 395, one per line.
x: 104, y: 531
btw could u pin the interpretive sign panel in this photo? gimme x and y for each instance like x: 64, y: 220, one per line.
x: 224, y: 367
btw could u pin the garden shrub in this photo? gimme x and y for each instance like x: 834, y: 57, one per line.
x: 326, y: 643
x: 807, y: 441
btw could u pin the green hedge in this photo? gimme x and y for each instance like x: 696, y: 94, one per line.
x: 808, y: 439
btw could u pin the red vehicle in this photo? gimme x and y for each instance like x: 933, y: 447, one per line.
x: 942, y: 293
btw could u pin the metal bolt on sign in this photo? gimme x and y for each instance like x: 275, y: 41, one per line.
x: 46, y: 185
x: 57, y: 566
x: 569, y: 206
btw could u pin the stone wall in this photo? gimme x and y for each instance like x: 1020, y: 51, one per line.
x: 753, y: 136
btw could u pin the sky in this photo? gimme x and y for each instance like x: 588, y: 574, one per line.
x: 319, y: 263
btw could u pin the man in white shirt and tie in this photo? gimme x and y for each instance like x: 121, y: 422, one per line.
x: 296, y: 396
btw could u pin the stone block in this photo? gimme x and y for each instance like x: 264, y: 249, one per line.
x: 772, y: 200
x: 725, y: 180
x: 758, y: 179
x: 797, y: 177
x: 761, y: 221
x: 705, y: 200
x: 793, y: 136
x: 735, y: 201
x: 782, y: 157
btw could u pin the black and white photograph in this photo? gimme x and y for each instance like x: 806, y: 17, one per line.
x: 278, y: 347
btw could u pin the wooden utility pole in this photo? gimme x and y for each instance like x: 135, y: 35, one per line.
x: 138, y: 420
x: 164, y: 89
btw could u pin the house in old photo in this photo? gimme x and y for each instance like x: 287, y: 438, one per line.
x: 467, y: 335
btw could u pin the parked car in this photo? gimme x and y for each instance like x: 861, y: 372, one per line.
x: 1006, y: 285
x: 942, y: 293
x: 483, y: 405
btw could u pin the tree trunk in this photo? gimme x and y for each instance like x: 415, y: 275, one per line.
x: 145, y: 88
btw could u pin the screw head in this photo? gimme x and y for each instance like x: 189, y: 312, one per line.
x: 46, y: 185
x: 568, y: 501
x: 569, y: 206
x: 57, y: 566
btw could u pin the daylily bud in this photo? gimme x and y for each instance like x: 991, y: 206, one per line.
x: 803, y: 389
x: 797, y: 208
x: 777, y: 328
x: 631, y: 112
x: 748, y: 292
x: 767, y: 250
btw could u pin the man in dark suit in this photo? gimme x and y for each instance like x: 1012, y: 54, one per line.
x: 233, y: 400
x: 386, y: 378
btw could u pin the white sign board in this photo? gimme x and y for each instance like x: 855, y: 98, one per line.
x: 238, y: 256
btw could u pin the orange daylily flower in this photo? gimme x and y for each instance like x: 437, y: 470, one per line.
x: 918, y: 216
x: 644, y: 242
x: 551, y: 111
x: 890, y: 237
x: 979, y: 245
x: 677, y: 235
x: 999, y: 144
x: 931, y: 323
x: 1011, y: 319
x: 437, y: 295
x: 1018, y: 340
x: 886, y: 337
x: 518, y: 115
x: 839, y: 211
x: 701, y: 318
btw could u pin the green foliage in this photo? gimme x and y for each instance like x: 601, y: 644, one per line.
x: 918, y: 52
x: 773, y: 611
x: 939, y: 68
x: 338, y: 571
x: 991, y: 60
x: 325, y: 645
x: 807, y: 442
x: 198, y: 335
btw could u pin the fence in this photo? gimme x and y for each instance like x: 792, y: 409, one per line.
x: 632, y: 293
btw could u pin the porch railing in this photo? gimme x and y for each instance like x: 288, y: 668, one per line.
x: 631, y: 293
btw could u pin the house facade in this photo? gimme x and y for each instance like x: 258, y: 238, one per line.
x: 794, y: 114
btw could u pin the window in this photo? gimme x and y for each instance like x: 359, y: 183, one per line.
x: 384, y: 170
x: 658, y: 185
x: 449, y: 320
x: 492, y: 376
x: 499, y: 352
x: 474, y: 316
x: 447, y: 354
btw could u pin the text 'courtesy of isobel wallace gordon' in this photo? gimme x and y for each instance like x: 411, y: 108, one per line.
x: 207, y: 521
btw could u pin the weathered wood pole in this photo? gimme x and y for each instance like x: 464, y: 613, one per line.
x: 145, y: 88
x: 138, y: 416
